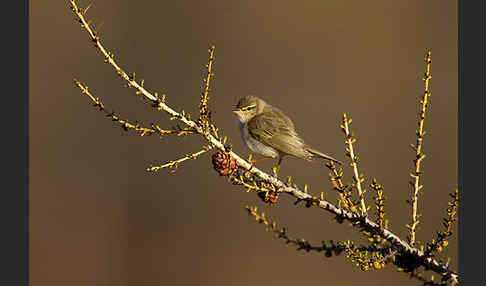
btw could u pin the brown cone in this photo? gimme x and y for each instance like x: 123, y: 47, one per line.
x: 223, y: 163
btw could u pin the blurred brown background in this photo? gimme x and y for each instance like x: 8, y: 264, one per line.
x: 98, y: 218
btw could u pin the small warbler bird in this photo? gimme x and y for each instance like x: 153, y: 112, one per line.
x: 267, y: 131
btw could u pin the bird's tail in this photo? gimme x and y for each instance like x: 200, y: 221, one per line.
x: 316, y: 154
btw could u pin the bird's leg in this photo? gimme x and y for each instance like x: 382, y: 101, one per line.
x: 253, y: 161
x: 277, y: 168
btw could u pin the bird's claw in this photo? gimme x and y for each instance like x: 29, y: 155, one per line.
x: 252, y: 164
x: 275, y: 171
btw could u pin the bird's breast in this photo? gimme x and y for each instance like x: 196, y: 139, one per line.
x: 254, y: 145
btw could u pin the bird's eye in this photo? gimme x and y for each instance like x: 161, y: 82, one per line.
x: 249, y: 107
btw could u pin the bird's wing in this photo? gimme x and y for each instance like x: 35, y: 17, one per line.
x: 276, y: 130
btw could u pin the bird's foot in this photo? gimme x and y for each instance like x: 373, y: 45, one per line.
x: 252, y: 164
x: 253, y: 161
x: 275, y: 170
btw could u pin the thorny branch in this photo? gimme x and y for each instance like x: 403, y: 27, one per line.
x: 215, y: 141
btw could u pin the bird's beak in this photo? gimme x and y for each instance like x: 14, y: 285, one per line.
x: 237, y: 111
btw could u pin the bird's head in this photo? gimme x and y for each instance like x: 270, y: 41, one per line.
x: 248, y: 107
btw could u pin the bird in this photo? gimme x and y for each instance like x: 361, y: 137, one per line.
x: 268, y: 132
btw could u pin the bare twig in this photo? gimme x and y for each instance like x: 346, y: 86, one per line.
x: 380, y: 203
x: 368, y: 260
x: 302, y: 244
x: 354, y: 162
x: 335, y: 176
x: 419, y: 156
x: 203, y: 106
x: 367, y: 257
x: 440, y: 243
x: 154, y: 129
x: 175, y: 163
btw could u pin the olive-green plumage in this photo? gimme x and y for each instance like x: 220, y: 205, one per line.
x: 267, y: 131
